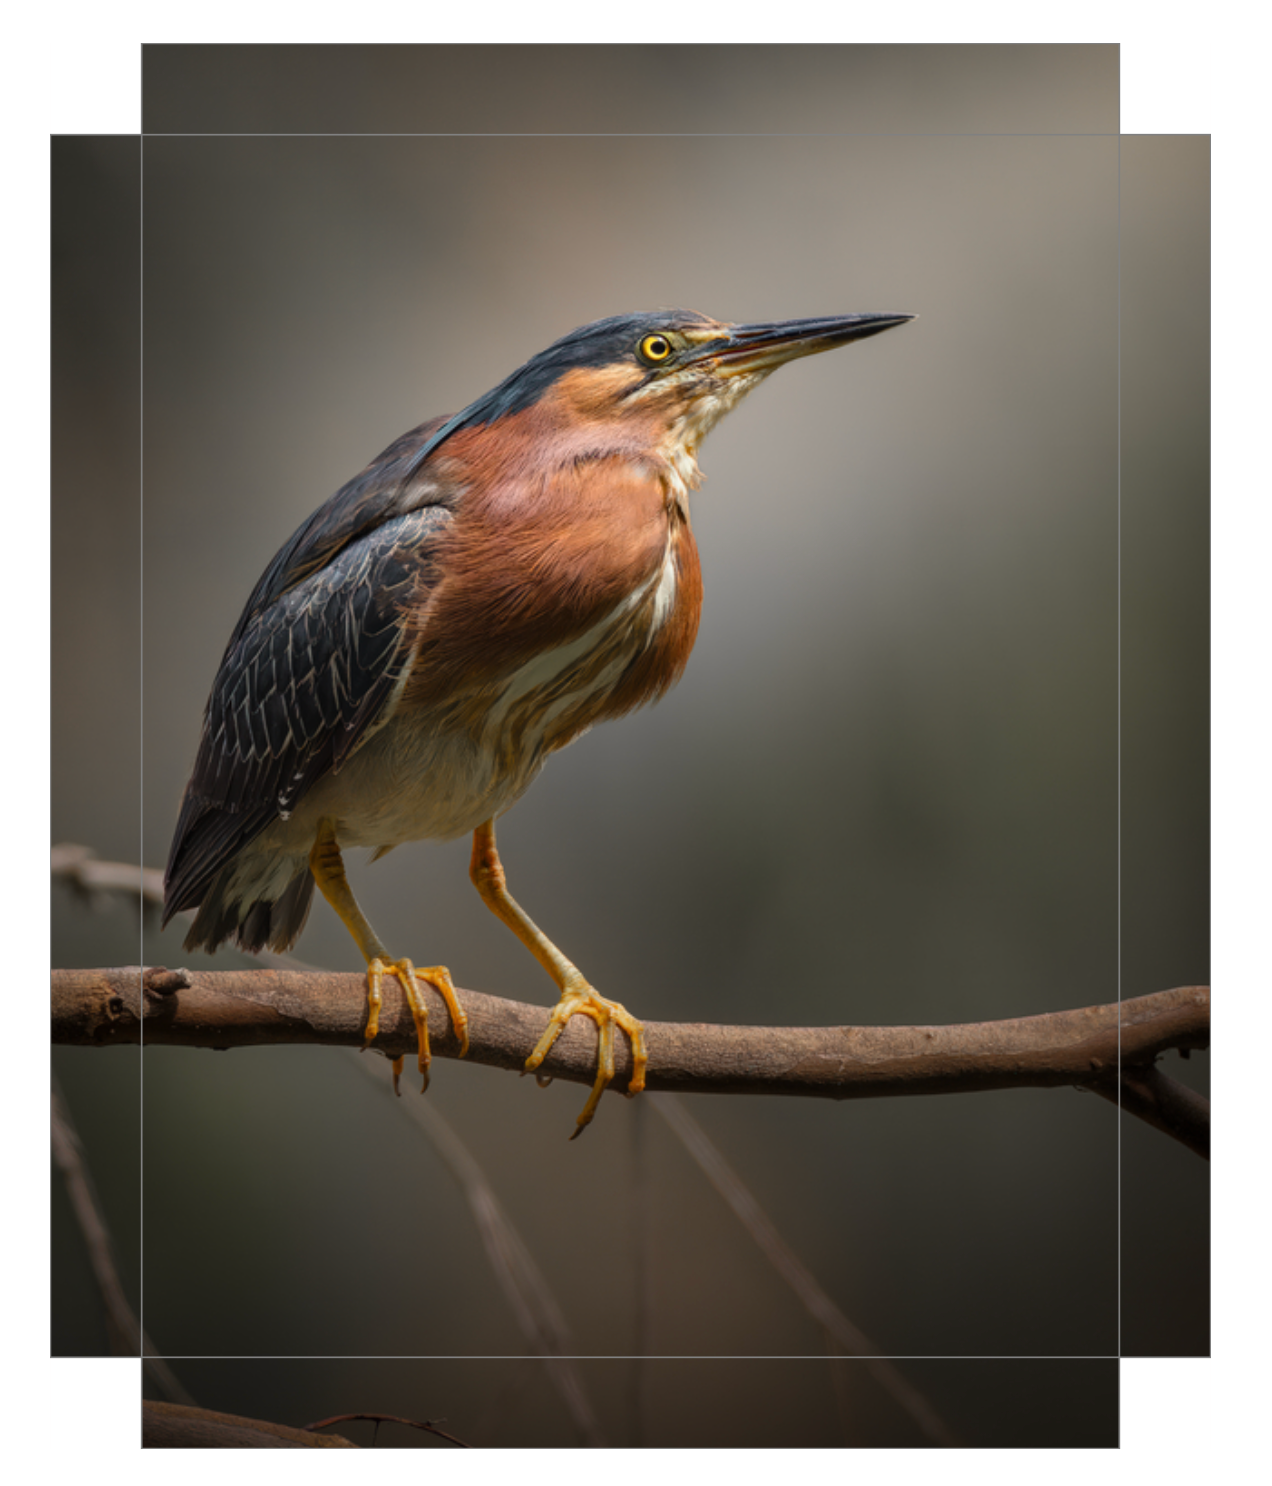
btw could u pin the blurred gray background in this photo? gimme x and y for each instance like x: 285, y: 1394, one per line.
x: 887, y: 790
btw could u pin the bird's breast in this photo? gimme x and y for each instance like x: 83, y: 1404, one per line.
x: 617, y: 664
x: 551, y: 576
x: 554, y: 604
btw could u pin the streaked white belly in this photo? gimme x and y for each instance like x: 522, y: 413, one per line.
x: 415, y: 779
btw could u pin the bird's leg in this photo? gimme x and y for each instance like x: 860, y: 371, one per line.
x: 327, y: 866
x: 577, y: 996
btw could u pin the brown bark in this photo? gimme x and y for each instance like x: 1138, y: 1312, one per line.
x: 243, y: 1008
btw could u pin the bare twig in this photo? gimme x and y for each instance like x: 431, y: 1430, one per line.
x: 1110, y: 1049
x: 846, y: 1339
x: 123, y: 1328
x: 169, y: 1426
x: 387, y: 1419
x: 521, y: 1280
x: 244, y: 1008
x: 1162, y: 1102
x: 78, y: 866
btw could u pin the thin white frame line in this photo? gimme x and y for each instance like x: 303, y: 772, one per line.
x: 618, y: 134
x: 141, y: 735
x: 1116, y: 1354
x: 811, y: 1357
x: 1118, y: 1214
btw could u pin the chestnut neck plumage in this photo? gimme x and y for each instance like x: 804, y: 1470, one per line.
x: 572, y: 586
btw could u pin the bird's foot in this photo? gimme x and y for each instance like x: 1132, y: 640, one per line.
x: 585, y: 1001
x: 438, y: 976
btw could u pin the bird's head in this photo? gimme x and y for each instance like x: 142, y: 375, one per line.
x: 672, y: 374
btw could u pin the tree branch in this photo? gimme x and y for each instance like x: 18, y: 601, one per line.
x: 246, y: 1008
x: 176, y: 1426
x: 127, y: 1339
x: 1161, y: 1101
x: 1107, y: 1049
x: 90, y: 877
x: 378, y: 1419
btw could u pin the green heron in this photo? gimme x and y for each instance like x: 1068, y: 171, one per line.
x: 486, y: 590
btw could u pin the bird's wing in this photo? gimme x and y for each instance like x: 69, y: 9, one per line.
x: 310, y: 669
x: 393, y: 484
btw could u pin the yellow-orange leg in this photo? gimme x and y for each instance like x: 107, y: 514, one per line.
x: 327, y: 866
x: 578, y: 998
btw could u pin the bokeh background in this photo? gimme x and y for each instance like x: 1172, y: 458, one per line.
x: 931, y: 762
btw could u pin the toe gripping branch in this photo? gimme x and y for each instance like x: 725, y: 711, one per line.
x: 584, y: 1000
x: 327, y: 866
x: 578, y: 998
x: 439, y: 977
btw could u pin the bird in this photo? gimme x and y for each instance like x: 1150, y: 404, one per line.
x: 488, y: 588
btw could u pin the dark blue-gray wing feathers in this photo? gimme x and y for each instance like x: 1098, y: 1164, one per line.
x: 309, y: 669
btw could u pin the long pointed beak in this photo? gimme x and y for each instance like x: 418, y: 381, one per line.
x: 752, y: 348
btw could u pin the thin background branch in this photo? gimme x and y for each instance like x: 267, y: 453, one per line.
x: 846, y: 1339
x: 122, y: 1326
x: 88, y: 875
x: 520, y: 1279
x: 378, y: 1419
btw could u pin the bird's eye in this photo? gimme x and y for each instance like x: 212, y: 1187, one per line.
x: 655, y: 348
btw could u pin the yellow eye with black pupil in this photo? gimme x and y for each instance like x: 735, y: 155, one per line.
x: 655, y: 348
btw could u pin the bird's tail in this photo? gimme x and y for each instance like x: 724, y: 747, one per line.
x: 265, y: 924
